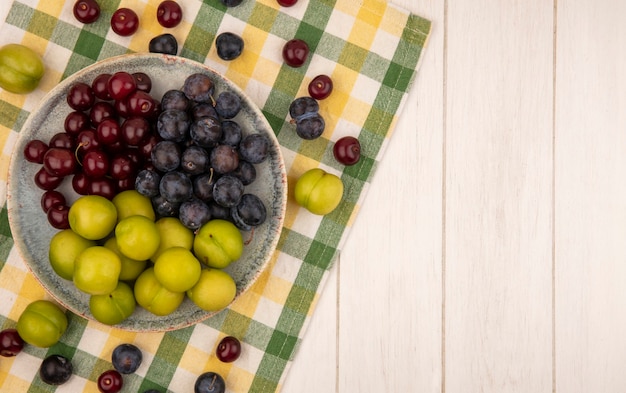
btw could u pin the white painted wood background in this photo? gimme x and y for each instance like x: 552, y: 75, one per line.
x: 490, y: 255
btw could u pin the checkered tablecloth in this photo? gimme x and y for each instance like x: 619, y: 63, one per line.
x: 370, y: 48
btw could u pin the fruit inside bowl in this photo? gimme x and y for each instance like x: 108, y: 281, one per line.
x: 197, y: 167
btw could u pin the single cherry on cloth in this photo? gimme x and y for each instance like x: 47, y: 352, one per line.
x: 10, y: 343
x: 320, y: 87
x: 228, y: 349
x: 86, y: 11
x: 169, y: 13
x: 287, y: 3
x: 295, y: 52
x: 110, y: 381
x: 124, y: 21
x: 347, y: 150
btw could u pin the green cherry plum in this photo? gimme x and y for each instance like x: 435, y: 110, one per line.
x: 115, y: 307
x: 42, y: 323
x: 92, y: 217
x: 177, y: 269
x: 173, y: 234
x: 131, y: 269
x: 137, y: 237
x: 64, y: 247
x: 318, y: 191
x: 97, y: 270
x: 132, y: 203
x: 21, y: 69
x: 218, y: 243
x: 214, y: 290
x: 154, y: 297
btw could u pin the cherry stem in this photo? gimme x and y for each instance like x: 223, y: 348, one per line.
x: 250, y: 238
x: 81, y: 144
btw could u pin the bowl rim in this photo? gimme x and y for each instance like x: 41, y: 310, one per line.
x: 57, y: 90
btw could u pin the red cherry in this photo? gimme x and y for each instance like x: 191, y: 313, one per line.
x: 110, y: 381
x: 35, y: 150
x: 228, y: 349
x: 46, y: 181
x: 10, y: 343
x: 51, y: 198
x: 86, y: 11
x: 108, y: 132
x: 75, y: 122
x: 142, y: 104
x: 58, y: 216
x: 169, y: 13
x: 347, y: 150
x: 143, y: 81
x: 295, y: 52
x: 104, y: 186
x: 80, y: 97
x: 101, y: 110
x: 95, y: 163
x: 121, y: 84
x: 122, y: 167
x: 126, y: 184
x: 59, y: 161
x: 124, y: 21
x: 100, y: 88
x: 134, y: 130
x: 86, y: 140
x: 287, y: 3
x: 147, y: 144
x: 81, y: 183
x: 121, y: 106
x: 320, y: 87
x: 62, y: 140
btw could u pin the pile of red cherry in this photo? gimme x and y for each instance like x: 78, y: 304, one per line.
x: 107, y: 138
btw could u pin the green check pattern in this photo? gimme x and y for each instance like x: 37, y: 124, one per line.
x: 370, y: 48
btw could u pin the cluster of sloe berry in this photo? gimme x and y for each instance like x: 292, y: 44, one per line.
x: 204, y: 160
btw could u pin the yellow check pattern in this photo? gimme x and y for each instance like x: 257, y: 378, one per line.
x: 370, y: 48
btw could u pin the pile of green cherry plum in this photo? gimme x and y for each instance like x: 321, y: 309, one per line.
x: 57, y: 369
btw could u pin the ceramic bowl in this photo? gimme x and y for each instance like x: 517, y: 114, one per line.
x: 32, y: 232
